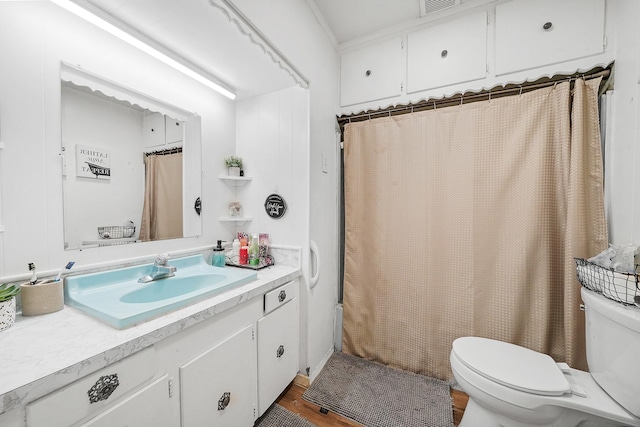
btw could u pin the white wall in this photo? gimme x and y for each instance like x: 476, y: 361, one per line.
x: 34, y: 38
x: 622, y: 165
x: 272, y: 139
x: 291, y: 26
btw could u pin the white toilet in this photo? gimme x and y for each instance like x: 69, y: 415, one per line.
x: 511, y: 386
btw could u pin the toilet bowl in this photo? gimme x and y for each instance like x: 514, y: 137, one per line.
x: 511, y: 386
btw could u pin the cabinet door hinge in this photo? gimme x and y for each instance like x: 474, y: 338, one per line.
x: 401, y: 87
x: 170, y: 386
x: 253, y: 334
x: 604, y: 42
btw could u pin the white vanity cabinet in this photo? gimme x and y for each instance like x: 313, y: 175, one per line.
x: 531, y: 34
x: 111, y: 396
x: 371, y: 73
x: 218, y: 386
x: 222, y: 367
x: 277, y: 344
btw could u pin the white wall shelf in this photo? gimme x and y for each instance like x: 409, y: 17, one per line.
x: 236, y: 220
x: 235, y: 181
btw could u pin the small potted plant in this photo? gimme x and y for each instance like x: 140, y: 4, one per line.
x: 234, y: 164
x: 8, y: 294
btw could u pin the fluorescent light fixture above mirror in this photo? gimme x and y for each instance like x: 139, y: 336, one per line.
x: 143, y: 46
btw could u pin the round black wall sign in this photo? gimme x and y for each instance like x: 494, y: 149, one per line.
x: 275, y: 206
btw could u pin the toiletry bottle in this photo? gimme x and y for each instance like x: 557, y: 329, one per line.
x: 219, y: 258
x: 244, y: 255
x: 254, y: 250
x: 235, y: 251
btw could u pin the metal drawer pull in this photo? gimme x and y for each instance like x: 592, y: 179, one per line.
x: 280, y: 351
x: 224, y: 401
x: 282, y: 296
x: 547, y: 25
x: 444, y: 54
x: 103, y: 388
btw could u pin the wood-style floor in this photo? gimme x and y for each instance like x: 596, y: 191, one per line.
x: 292, y: 400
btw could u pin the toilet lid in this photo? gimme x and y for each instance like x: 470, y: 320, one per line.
x: 511, y: 365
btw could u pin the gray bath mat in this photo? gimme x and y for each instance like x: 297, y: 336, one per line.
x: 378, y: 396
x: 277, y: 416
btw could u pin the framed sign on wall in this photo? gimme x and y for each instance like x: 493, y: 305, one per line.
x: 275, y: 206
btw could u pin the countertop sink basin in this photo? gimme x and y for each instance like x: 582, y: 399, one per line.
x: 173, y: 287
x: 118, y: 299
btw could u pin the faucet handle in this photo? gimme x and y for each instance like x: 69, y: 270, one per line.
x: 162, y: 259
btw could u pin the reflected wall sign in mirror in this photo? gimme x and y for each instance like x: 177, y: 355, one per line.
x: 129, y: 165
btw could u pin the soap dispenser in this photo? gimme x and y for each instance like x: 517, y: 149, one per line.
x: 219, y: 258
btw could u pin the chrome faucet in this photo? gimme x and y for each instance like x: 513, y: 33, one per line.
x: 160, y: 270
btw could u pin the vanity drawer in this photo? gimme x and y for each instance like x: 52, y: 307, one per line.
x: 279, y: 296
x: 93, y: 393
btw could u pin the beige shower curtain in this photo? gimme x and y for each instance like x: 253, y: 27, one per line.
x: 465, y: 221
x: 162, y: 209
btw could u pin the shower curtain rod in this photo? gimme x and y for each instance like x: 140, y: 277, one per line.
x: 164, y: 152
x: 464, y: 98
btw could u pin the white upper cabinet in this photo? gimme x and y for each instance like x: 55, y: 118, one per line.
x: 173, y: 130
x: 531, y: 34
x: 449, y: 53
x: 371, y: 73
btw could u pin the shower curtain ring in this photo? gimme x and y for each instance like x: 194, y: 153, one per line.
x: 520, y: 90
x: 434, y: 105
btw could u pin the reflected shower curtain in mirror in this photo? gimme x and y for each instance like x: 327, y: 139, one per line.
x: 465, y: 221
x: 162, y: 210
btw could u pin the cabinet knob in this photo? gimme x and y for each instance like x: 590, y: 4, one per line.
x: 282, y: 296
x: 224, y: 400
x: 547, y: 25
x: 103, y: 388
x: 367, y: 73
x: 444, y: 54
x: 280, y: 351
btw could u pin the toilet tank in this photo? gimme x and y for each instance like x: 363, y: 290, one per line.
x: 613, y: 348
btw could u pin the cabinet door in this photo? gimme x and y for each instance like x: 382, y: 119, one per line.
x: 174, y: 130
x: 449, y: 53
x: 277, y: 352
x: 531, y: 34
x: 149, y: 406
x: 153, y: 130
x: 218, y: 387
x: 371, y: 73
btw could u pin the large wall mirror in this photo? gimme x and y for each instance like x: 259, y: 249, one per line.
x: 131, y: 164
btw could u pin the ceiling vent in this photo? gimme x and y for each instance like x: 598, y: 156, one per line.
x: 431, y: 6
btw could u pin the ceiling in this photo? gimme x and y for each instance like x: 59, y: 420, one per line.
x: 203, y: 35
x: 353, y: 19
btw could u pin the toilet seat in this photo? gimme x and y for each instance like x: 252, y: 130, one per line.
x: 512, y: 366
